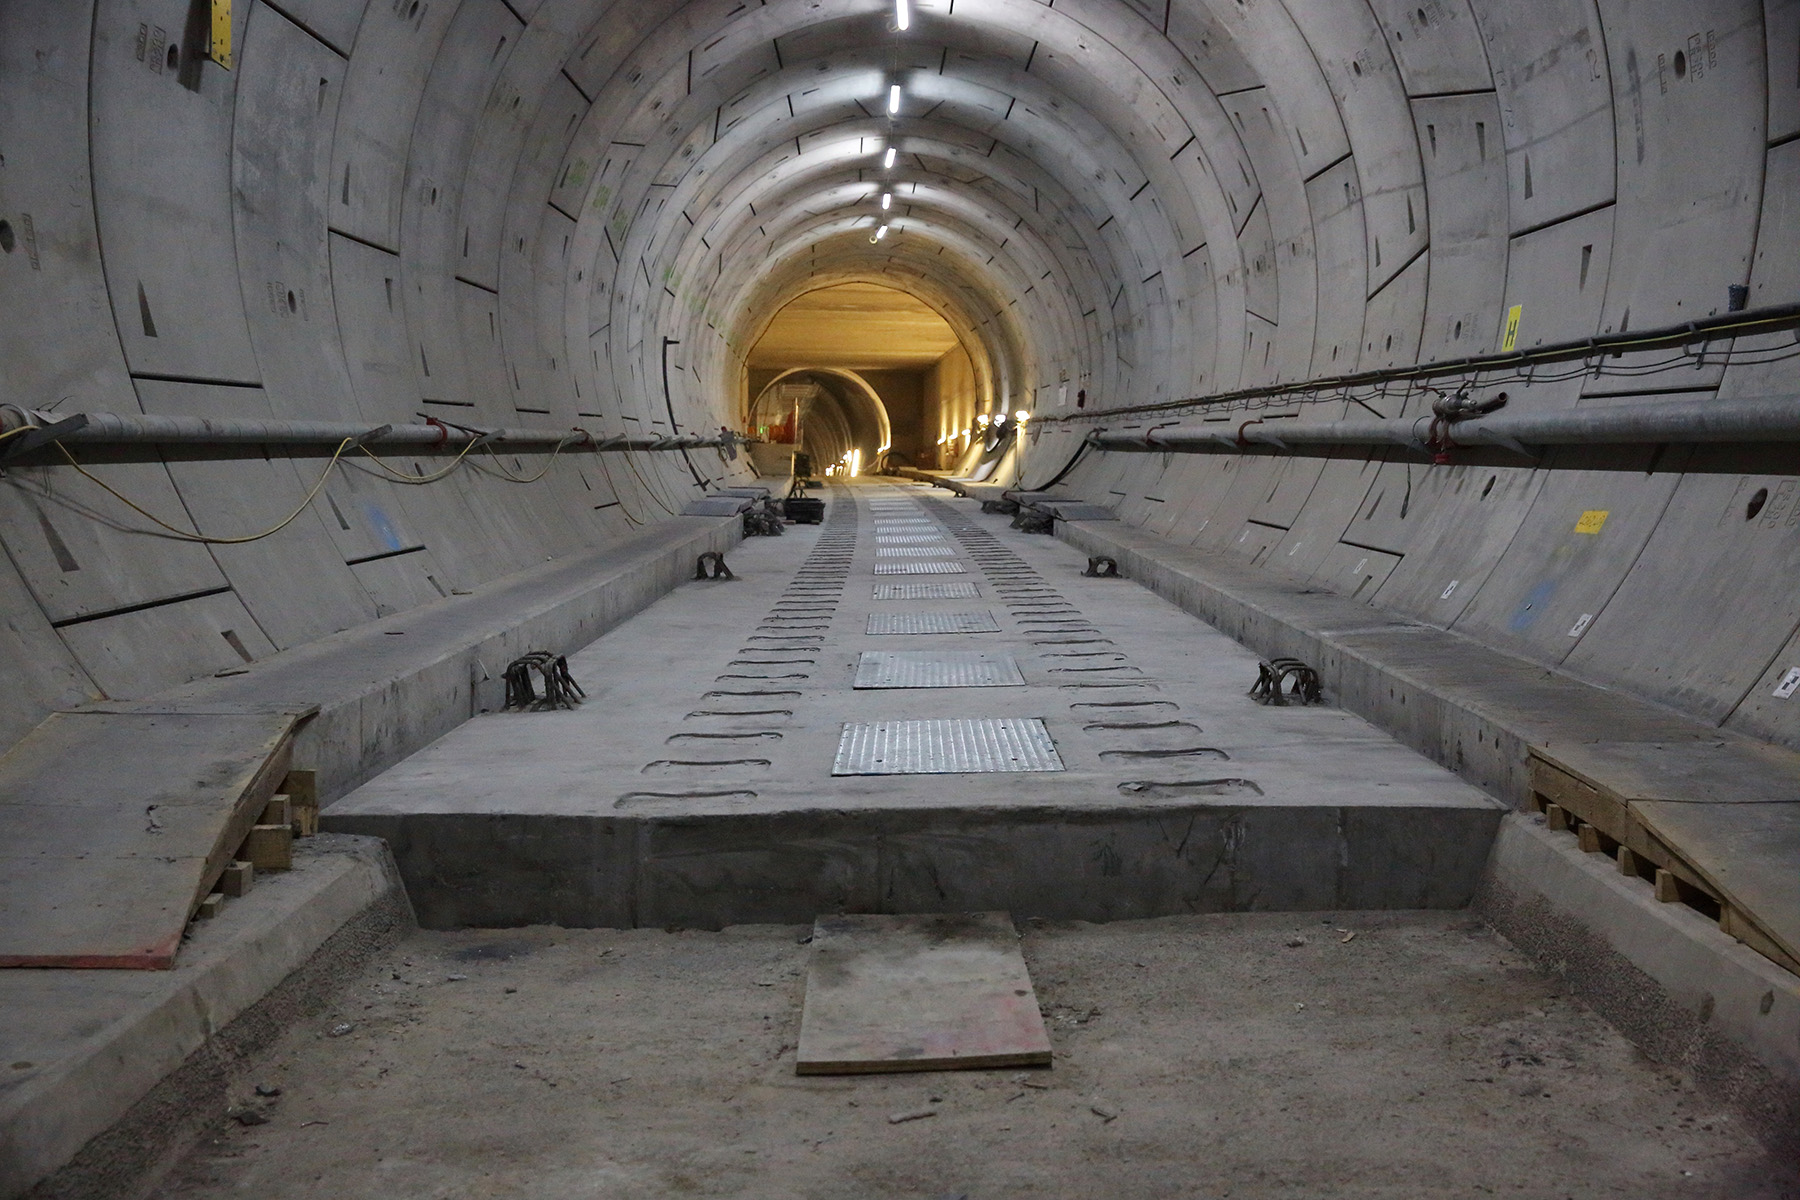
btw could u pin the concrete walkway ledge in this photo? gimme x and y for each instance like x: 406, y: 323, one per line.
x: 1685, y: 993
x: 106, y: 1075
x: 392, y: 686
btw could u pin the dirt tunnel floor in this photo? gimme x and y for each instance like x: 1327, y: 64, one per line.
x: 1195, y: 1057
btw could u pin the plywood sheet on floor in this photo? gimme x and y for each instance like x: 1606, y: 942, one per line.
x: 925, y: 992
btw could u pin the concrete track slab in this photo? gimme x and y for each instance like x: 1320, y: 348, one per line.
x: 694, y: 785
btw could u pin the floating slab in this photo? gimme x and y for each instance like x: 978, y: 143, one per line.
x: 953, y: 746
x: 114, y: 825
x: 936, y: 992
x: 936, y: 669
x: 932, y: 622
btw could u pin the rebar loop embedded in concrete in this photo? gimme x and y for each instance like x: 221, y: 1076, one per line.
x: 1102, y: 567
x: 717, y: 561
x: 1272, y: 674
x: 560, y: 688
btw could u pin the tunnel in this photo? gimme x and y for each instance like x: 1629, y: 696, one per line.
x: 512, y: 510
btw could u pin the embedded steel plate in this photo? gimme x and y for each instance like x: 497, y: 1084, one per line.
x: 964, y: 745
x: 957, y: 589
x: 936, y: 669
x: 921, y: 568
x: 932, y: 622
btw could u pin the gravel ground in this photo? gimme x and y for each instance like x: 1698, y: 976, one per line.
x: 1245, y: 1055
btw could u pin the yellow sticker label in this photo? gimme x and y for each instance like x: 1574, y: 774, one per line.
x: 1512, y: 328
x: 220, y: 49
x: 1592, y: 521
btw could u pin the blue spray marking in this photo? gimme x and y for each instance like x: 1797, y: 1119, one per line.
x: 384, y: 528
x: 1533, y: 606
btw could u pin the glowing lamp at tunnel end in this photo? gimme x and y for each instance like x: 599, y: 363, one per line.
x: 887, y: 160
x: 902, y: 14
x: 893, y: 99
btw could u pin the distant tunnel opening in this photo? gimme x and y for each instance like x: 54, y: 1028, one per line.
x: 859, y: 374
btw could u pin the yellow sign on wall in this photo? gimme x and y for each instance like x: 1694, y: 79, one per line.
x: 220, y: 48
x: 1511, y: 339
x: 1592, y: 521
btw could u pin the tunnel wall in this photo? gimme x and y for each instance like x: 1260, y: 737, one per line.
x: 1568, y: 163
x: 337, y: 229
x: 576, y: 213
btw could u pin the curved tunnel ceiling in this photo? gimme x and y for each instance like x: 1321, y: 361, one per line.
x: 582, y: 213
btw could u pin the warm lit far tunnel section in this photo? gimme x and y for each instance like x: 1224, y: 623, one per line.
x: 857, y: 377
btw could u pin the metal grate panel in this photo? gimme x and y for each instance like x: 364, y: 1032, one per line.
x: 955, y: 589
x: 910, y: 551
x: 910, y: 539
x: 946, y: 747
x: 921, y: 568
x: 936, y: 669
x: 932, y: 622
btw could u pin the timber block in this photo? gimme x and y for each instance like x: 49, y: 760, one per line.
x: 270, y: 847
x: 238, y: 878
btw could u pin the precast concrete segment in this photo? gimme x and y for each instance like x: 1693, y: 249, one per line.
x: 556, y: 817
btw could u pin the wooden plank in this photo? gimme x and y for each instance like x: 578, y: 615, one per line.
x: 928, y: 992
x: 1747, y: 854
x: 1609, y: 812
x: 115, y: 826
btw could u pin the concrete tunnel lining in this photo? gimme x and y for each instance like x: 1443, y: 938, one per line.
x: 552, y: 214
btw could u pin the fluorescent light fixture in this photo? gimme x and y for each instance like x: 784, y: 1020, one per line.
x: 887, y: 201
x: 893, y: 98
x: 887, y: 160
x: 881, y: 233
x: 1022, y: 416
x: 902, y: 13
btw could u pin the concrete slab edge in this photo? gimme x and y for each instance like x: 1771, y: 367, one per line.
x: 1686, y: 994
x: 138, y: 1091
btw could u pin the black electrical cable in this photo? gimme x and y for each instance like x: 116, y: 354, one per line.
x: 1080, y: 450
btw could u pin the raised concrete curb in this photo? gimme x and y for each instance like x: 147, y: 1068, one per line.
x: 392, y: 686
x: 1662, y: 974
x: 127, y: 1067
